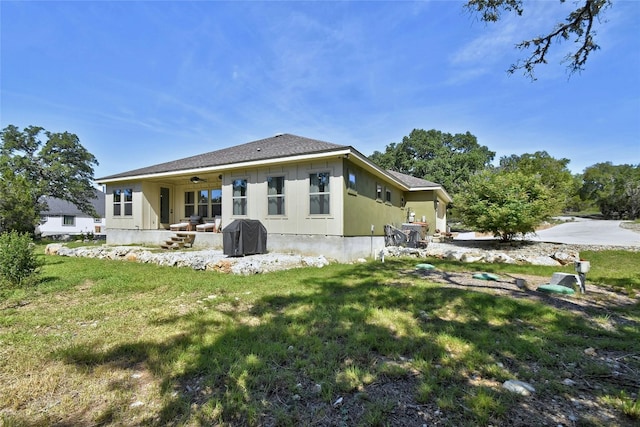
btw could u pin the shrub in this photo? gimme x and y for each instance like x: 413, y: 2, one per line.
x: 504, y: 203
x: 19, y: 264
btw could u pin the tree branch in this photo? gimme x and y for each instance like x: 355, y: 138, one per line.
x: 580, y: 23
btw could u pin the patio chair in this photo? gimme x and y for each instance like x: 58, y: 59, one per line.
x: 213, y: 226
x: 180, y: 226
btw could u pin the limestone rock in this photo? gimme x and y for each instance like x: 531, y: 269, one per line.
x: 519, y: 387
x: 565, y: 258
x: 542, y: 260
x: 52, y: 248
x: 471, y: 257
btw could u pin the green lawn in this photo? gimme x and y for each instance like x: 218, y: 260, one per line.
x: 116, y: 343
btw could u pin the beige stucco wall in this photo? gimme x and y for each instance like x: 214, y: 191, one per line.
x: 297, y: 219
x: 351, y: 212
x: 126, y: 222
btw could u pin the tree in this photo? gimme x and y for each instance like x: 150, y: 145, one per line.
x: 553, y: 173
x: 433, y: 155
x: 615, y: 189
x: 17, y: 211
x: 30, y: 169
x: 504, y: 203
x: 580, y: 23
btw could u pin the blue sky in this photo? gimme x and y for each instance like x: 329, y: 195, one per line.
x: 146, y: 82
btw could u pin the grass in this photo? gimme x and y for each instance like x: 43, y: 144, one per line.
x: 103, y: 342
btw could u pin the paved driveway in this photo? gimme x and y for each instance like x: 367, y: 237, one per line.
x: 584, y: 232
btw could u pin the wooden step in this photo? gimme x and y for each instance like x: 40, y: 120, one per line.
x: 179, y: 241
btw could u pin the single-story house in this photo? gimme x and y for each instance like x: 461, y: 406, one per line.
x: 64, y: 218
x: 313, y: 197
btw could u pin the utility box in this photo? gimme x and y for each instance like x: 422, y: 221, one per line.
x: 582, y: 266
x: 244, y: 237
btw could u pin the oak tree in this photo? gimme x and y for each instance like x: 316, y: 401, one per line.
x: 615, y: 189
x: 436, y: 156
x: 35, y: 163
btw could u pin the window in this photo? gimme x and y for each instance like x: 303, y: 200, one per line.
x: 68, y: 220
x: 128, y: 201
x: 209, y: 203
x: 240, y: 197
x: 117, y: 199
x: 351, y: 183
x: 319, y: 193
x: 216, y: 202
x: 189, y: 203
x: 388, y: 195
x: 203, y: 203
x: 123, y: 202
x: 378, y: 191
x: 275, y: 195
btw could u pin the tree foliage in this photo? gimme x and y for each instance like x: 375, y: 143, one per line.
x: 615, y: 189
x: 553, y: 173
x: 579, y: 24
x: 17, y: 210
x: 31, y: 168
x: 436, y: 156
x: 504, y: 203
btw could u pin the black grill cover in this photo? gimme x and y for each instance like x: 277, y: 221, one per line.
x: 244, y: 237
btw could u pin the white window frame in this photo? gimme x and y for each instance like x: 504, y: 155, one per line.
x: 64, y: 220
x: 279, y: 198
x: 205, y: 205
x: 189, y: 208
x: 352, y: 184
x: 326, y: 195
x: 117, y: 202
x: 241, y: 200
x: 128, y: 201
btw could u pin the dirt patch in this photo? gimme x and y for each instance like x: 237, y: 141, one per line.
x: 597, y: 299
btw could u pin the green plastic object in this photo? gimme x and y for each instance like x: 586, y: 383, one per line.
x: 485, y: 276
x: 556, y: 289
x: 424, y: 267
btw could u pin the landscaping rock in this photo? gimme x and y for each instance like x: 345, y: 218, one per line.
x: 520, y: 387
x: 52, y: 248
x: 542, y: 260
x: 565, y: 258
x: 472, y: 257
x: 197, y: 260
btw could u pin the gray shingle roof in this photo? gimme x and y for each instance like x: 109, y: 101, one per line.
x: 283, y: 145
x: 62, y: 207
x: 412, y: 181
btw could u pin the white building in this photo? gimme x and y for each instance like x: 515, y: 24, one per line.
x: 64, y: 218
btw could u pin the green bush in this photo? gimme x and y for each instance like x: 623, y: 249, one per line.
x: 19, y: 265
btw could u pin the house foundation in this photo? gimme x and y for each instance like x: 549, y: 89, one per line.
x: 342, y: 249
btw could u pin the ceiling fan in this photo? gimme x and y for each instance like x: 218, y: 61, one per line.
x: 197, y: 180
